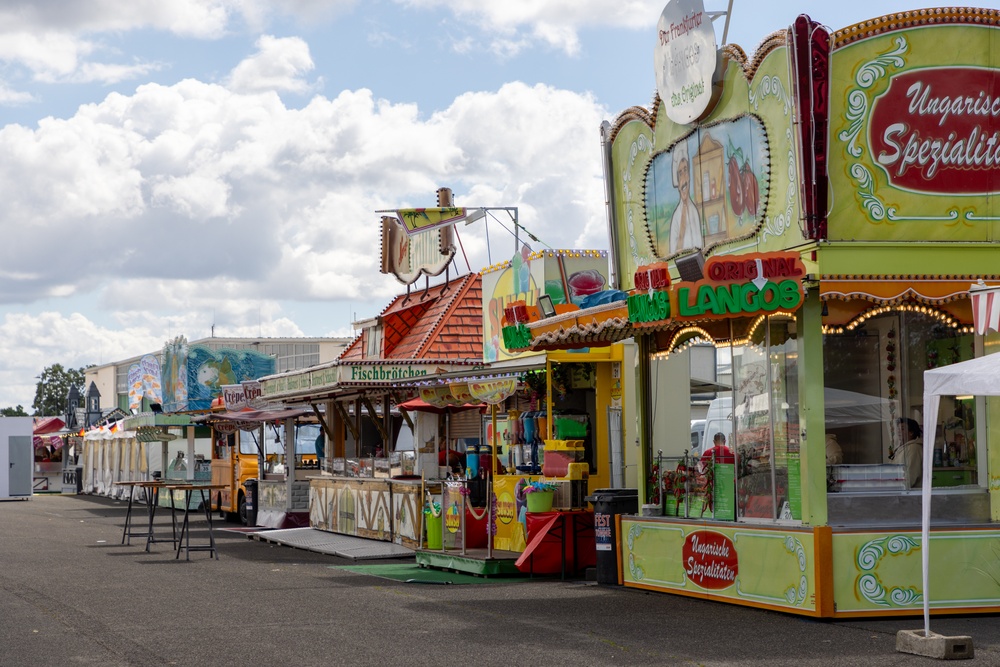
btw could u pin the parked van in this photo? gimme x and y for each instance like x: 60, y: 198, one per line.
x: 697, y: 434
x: 235, y: 459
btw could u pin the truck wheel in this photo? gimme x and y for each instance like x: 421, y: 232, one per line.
x: 243, y: 509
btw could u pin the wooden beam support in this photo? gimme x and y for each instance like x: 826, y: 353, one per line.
x: 347, y: 421
x: 373, y: 415
x: 322, y: 422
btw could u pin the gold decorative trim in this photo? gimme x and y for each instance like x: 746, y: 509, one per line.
x: 897, y: 289
x: 913, y: 19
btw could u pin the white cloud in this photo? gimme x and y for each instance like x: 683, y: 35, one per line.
x: 256, y: 12
x: 30, y: 343
x: 514, y: 24
x: 277, y: 66
x: 11, y: 97
x: 49, y: 54
x: 196, y: 181
x: 59, y: 40
x: 89, y: 72
x: 199, y: 18
x: 178, y: 207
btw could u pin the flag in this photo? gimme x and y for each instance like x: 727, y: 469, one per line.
x: 985, y: 307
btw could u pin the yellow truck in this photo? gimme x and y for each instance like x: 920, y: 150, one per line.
x: 237, y: 456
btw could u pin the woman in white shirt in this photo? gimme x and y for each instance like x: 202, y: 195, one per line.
x: 912, y: 450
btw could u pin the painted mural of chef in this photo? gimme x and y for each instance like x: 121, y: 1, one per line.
x: 685, y: 224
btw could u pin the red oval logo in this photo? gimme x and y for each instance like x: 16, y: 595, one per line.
x: 710, y: 559
x: 937, y: 130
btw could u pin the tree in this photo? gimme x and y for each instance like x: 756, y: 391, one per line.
x: 53, y: 385
x: 14, y: 412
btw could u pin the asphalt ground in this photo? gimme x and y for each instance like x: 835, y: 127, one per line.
x: 72, y: 594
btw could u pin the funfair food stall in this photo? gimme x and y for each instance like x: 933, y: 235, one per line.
x: 816, y: 213
x: 433, y: 346
x: 365, y: 487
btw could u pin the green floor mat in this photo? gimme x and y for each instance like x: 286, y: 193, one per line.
x: 412, y: 573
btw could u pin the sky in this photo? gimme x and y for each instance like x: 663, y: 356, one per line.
x: 214, y: 167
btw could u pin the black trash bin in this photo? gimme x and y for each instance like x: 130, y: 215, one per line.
x: 251, y: 502
x: 607, y: 504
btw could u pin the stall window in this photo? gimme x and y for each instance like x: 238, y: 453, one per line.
x: 765, y: 422
x: 223, y: 445
x: 874, y: 404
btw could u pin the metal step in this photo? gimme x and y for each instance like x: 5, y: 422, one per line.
x: 321, y: 541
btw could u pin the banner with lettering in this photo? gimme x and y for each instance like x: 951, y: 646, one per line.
x: 152, y: 382
x: 233, y: 397
x: 135, y: 389
x: 734, y: 286
x: 772, y: 566
x: 493, y: 391
x: 915, y: 134
x: 246, y: 395
x: 453, y: 508
x: 145, y: 381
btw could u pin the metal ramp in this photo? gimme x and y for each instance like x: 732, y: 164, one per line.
x: 321, y: 541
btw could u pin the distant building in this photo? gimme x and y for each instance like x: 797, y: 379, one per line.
x: 290, y: 354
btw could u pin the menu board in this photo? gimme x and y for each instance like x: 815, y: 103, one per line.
x: 725, y: 491
x: 794, y: 487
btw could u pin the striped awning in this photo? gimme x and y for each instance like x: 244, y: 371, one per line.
x: 594, y: 327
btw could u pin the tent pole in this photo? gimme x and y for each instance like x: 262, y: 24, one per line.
x: 931, y: 406
x: 493, y: 444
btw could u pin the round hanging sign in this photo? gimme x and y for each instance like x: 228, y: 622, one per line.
x: 684, y: 59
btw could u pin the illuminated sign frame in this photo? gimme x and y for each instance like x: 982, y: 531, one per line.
x: 734, y: 286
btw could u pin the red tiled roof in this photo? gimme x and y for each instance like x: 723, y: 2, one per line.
x: 443, y: 323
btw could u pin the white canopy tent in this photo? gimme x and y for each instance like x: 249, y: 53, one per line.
x: 979, y: 377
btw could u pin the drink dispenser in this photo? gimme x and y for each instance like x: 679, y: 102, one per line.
x: 541, y: 432
x: 542, y: 419
x: 472, y: 461
x: 514, y: 431
x: 528, y: 440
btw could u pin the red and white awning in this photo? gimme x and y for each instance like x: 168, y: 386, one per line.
x: 985, y: 307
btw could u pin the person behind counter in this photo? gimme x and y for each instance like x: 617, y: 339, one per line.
x: 719, y: 451
x: 834, y: 454
x: 320, y: 446
x: 451, y: 458
x: 487, y: 462
x: 911, y: 451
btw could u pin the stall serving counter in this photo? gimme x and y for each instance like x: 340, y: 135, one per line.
x: 47, y: 477
x: 283, y: 501
x: 370, y: 497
